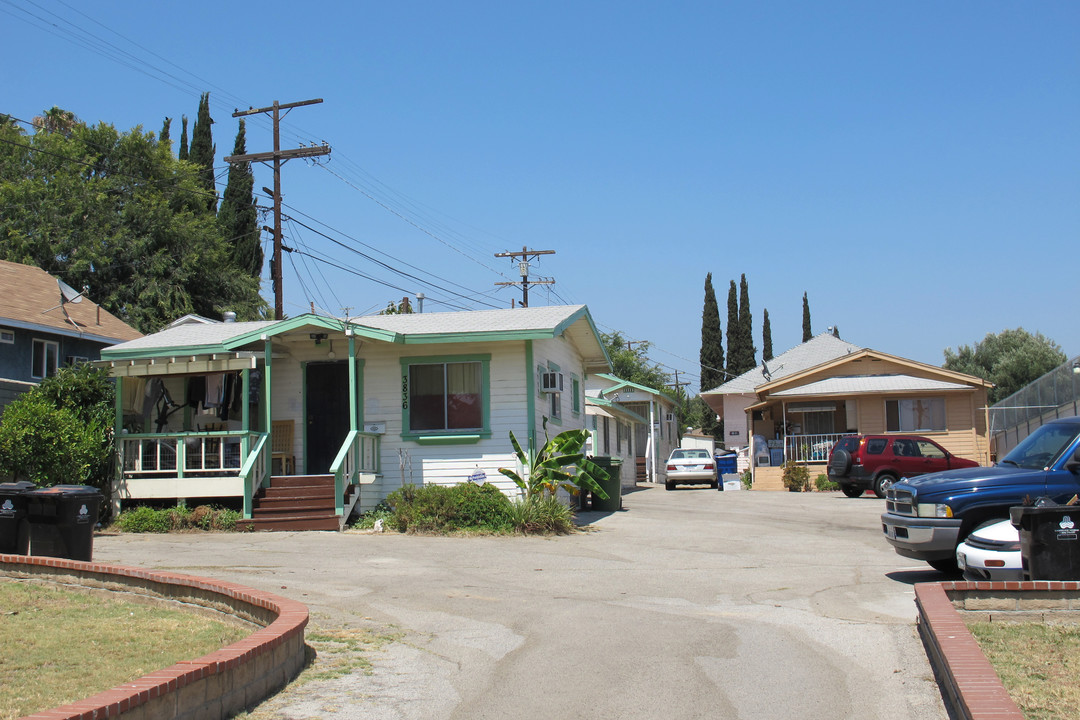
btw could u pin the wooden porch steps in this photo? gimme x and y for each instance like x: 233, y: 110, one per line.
x: 295, y: 502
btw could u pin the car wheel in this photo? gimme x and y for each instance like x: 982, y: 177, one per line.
x: 852, y: 491
x: 669, y: 484
x: 715, y: 484
x: 947, y: 566
x: 882, y: 483
x: 840, y: 463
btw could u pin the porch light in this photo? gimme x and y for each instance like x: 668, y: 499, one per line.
x: 318, y: 337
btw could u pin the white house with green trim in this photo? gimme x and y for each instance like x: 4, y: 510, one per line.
x: 278, y: 414
x: 634, y: 423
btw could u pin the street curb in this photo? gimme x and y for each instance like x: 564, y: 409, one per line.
x: 217, y: 685
x: 969, y: 684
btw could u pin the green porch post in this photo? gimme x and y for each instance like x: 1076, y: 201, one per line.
x: 118, y: 438
x: 530, y: 392
x: 354, y: 422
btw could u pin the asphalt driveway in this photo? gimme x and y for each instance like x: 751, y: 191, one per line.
x: 686, y: 604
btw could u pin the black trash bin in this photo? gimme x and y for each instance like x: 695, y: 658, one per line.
x: 612, y: 486
x: 62, y: 520
x: 1049, y: 541
x: 14, y: 527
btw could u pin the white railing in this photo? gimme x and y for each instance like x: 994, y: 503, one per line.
x: 254, y: 473
x: 809, y: 448
x: 200, y: 454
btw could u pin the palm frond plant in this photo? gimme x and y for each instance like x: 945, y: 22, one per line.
x: 559, y: 463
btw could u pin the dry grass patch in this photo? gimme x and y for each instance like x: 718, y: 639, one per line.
x: 1038, y: 663
x: 62, y: 644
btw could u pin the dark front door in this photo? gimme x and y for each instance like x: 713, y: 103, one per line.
x: 327, y: 413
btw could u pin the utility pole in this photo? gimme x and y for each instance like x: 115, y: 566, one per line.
x: 678, y: 384
x: 523, y: 267
x: 278, y: 156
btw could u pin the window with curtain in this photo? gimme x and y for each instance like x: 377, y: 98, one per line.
x: 446, y: 396
x: 915, y: 415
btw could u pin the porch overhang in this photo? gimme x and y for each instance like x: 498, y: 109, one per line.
x: 180, y: 365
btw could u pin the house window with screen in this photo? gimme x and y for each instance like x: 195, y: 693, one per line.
x: 45, y: 360
x: 445, y: 396
x: 915, y: 415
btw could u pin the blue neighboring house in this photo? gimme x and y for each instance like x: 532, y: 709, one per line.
x: 45, y: 325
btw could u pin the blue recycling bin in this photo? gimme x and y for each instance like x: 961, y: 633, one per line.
x: 725, y: 464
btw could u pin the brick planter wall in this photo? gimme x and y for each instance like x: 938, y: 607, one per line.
x: 217, y: 685
x: 969, y: 684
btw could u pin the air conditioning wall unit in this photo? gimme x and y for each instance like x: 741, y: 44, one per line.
x: 551, y: 382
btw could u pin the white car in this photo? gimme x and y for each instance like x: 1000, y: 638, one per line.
x: 991, y: 552
x: 690, y: 466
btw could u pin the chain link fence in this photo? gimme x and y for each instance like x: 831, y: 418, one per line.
x: 1056, y: 394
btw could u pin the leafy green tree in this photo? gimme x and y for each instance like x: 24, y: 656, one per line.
x: 116, y: 212
x: 203, y: 151
x: 166, y: 126
x: 183, y: 152
x: 1010, y: 359
x: 238, y: 216
x: 402, y: 308
x: 806, y: 332
x: 766, y: 337
x: 633, y: 364
x: 60, y: 432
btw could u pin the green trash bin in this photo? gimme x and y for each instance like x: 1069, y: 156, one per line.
x: 62, y: 520
x: 612, y: 486
x: 14, y: 527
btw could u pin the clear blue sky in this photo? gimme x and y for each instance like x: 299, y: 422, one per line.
x: 914, y: 167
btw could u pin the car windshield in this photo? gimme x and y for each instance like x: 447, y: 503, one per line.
x: 690, y: 455
x: 1041, y: 448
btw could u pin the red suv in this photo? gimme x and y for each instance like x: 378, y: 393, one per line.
x: 874, y: 462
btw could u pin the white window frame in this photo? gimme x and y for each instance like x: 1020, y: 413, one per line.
x: 7, y: 337
x: 932, y: 407
x: 50, y: 348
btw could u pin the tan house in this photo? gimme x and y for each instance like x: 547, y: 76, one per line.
x: 801, y: 407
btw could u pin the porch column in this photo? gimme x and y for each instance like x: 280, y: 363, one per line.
x: 353, y: 415
x: 118, y: 435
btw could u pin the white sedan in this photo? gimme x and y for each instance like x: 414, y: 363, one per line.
x: 991, y: 552
x: 690, y: 466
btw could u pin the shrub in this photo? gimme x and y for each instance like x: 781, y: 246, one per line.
x: 541, y: 514
x: 796, y: 478
x: 441, y: 508
x: 747, y: 478
x: 60, y: 432
x: 145, y: 519
x: 823, y: 483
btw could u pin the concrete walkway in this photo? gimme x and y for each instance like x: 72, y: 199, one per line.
x: 687, y: 604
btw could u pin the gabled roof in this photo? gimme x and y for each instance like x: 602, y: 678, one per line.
x: 540, y: 323
x: 602, y: 406
x: 32, y: 299
x: 815, y: 351
x: 849, y: 384
x: 618, y: 384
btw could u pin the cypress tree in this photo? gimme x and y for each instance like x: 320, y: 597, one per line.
x: 806, y: 333
x: 238, y: 217
x: 711, y: 357
x: 183, y: 154
x: 203, y: 150
x: 712, y: 340
x: 766, y: 337
x: 747, y: 351
x: 165, y: 127
x: 733, y: 338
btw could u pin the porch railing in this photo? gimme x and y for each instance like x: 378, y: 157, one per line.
x: 809, y: 448
x: 254, y: 473
x: 358, y: 454
x: 185, y: 454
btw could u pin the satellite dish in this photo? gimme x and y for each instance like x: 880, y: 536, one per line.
x: 69, y: 293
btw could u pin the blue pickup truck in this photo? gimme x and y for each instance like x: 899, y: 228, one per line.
x: 926, y: 517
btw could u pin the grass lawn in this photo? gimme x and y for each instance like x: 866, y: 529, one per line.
x: 1039, y: 664
x: 61, y: 644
